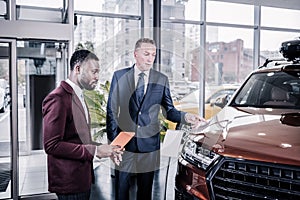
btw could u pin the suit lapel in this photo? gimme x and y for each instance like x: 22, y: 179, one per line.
x: 78, y: 113
x: 130, y: 79
x: 75, y: 100
x: 80, y: 122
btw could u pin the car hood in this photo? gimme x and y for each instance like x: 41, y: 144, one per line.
x: 255, y: 134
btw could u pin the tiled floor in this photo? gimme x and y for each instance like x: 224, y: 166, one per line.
x: 34, y: 174
x: 163, y: 188
x: 33, y: 178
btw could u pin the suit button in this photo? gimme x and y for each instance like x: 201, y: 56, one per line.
x: 140, y: 113
x: 139, y: 126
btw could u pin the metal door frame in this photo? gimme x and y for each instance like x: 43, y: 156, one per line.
x: 14, y: 159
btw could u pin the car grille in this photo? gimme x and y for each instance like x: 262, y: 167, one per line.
x: 240, y: 179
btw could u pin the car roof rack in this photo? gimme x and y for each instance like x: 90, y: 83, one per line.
x: 290, y: 50
x: 277, y: 60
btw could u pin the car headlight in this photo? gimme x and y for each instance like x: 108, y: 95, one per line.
x: 198, y: 155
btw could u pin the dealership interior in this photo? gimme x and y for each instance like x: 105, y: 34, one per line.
x: 203, y: 46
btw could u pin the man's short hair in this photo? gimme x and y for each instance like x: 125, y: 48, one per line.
x: 144, y: 40
x: 81, y: 56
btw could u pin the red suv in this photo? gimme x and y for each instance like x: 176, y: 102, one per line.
x: 251, y: 149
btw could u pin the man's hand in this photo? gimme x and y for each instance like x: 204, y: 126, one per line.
x: 112, y: 151
x: 194, y: 120
x: 117, y: 157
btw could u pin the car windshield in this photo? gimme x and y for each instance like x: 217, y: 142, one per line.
x: 270, y: 90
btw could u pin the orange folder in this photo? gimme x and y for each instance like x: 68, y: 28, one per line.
x: 122, y: 139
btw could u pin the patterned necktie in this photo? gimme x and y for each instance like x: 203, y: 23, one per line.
x: 140, y: 87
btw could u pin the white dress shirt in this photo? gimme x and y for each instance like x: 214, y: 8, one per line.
x: 78, y: 91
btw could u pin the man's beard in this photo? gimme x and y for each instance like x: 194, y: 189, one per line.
x: 87, y: 86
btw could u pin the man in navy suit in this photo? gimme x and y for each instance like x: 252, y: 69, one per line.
x: 136, y: 109
x: 66, y: 127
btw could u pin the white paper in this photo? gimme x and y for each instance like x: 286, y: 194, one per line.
x: 171, y: 144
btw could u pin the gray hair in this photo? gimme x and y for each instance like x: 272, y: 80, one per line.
x: 144, y: 40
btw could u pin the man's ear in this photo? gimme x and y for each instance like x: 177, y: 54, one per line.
x: 77, y: 69
x: 134, y: 54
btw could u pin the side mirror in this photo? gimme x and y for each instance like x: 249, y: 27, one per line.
x: 221, y: 101
x: 212, y: 102
x: 291, y: 119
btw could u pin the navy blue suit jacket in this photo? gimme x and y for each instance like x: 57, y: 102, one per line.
x: 125, y: 114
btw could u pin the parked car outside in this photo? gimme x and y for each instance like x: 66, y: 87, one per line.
x: 190, y: 103
x: 251, y: 148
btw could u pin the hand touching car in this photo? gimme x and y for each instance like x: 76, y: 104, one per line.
x: 194, y: 120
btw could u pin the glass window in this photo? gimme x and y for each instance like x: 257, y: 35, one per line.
x: 227, y: 58
x: 39, y: 3
x: 113, y: 41
x: 181, y: 9
x: 5, y: 118
x: 131, y: 7
x: 270, y: 43
x: 229, y: 13
x: 3, y: 9
x: 48, y: 11
x: 39, y: 66
x: 280, y: 18
x: 178, y: 44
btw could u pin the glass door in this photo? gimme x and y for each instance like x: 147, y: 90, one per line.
x: 41, y: 66
x: 5, y: 118
x: 29, y: 70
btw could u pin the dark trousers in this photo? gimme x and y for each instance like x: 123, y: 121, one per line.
x: 140, y: 165
x: 75, y: 196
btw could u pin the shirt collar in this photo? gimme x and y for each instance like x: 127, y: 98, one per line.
x: 137, y: 71
x: 76, y: 88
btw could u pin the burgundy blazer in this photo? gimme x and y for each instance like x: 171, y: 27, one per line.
x: 67, y: 142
